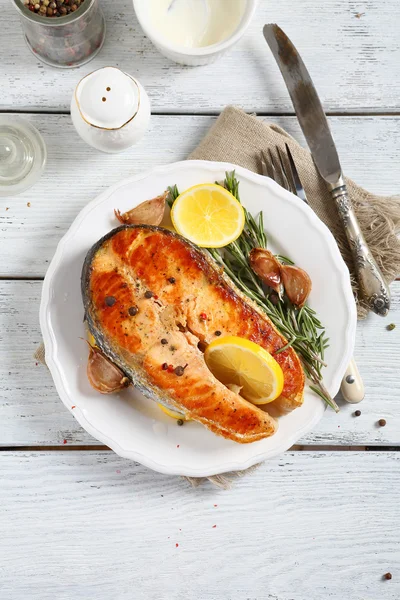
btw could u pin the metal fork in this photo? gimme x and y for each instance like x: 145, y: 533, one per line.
x: 352, y: 386
x: 287, y: 177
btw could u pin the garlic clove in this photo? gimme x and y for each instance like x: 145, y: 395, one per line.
x: 103, y: 375
x: 297, y: 284
x: 267, y: 267
x: 150, y: 212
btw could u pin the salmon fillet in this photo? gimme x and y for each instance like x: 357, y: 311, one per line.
x: 153, y: 300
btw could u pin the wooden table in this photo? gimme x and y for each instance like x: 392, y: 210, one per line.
x: 77, y: 522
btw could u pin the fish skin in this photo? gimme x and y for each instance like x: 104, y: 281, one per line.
x: 133, y: 259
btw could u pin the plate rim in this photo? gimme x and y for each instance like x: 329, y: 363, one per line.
x: 50, y: 341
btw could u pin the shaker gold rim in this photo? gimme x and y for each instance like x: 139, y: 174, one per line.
x: 98, y: 126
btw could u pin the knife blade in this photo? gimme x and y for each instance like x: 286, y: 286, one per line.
x: 315, y: 127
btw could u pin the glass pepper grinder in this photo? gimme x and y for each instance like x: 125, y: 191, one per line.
x: 62, y: 33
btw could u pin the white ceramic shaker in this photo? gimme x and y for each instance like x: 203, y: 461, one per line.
x: 110, y: 110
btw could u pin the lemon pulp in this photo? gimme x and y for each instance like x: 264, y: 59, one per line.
x: 240, y: 362
x: 208, y: 215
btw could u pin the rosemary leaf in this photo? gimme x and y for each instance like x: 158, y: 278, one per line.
x: 172, y: 195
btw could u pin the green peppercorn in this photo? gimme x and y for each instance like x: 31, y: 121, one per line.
x: 391, y: 327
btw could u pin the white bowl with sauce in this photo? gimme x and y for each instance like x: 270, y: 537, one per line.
x: 194, y: 32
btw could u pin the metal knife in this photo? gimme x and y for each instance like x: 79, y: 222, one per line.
x: 316, y: 130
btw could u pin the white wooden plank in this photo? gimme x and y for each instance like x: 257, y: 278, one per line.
x: 82, y: 525
x: 355, y: 62
x: 31, y: 413
x: 369, y: 148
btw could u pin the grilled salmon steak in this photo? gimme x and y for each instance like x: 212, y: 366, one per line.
x: 153, y: 301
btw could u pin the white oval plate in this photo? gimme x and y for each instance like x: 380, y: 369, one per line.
x: 133, y: 426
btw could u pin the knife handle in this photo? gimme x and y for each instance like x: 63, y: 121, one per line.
x: 373, y: 286
x: 352, y: 386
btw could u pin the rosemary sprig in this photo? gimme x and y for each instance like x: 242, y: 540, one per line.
x: 301, y: 326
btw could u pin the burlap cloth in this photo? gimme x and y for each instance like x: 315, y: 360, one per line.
x: 238, y: 138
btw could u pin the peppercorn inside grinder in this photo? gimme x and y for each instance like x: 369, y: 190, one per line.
x: 110, y: 110
x: 62, y: 33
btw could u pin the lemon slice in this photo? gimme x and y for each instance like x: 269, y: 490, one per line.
x: 208, y: 215
x: 171, y: 413
x: 236, y: 361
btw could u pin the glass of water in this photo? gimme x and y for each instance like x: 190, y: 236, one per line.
x: 22, y: 155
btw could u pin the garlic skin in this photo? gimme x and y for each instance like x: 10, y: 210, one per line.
x: 150, y: 212
x: 267, y: 267
x: 103, y: 375
x: 297, y: 284
x: 296, y: 281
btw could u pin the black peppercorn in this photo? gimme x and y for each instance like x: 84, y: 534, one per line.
x: 382, y: 422
x: 110, y: 300
x: 357, y: 413
x: 179, y: 422
x: 165, y: 366
x: 133, y: 310
x: 148, y: 294
x: 172, y: 279
x: 164, y: 341
x: 274, y: 299
x: 217, y: 333
x: 179, y: 371
x: 387, y: 576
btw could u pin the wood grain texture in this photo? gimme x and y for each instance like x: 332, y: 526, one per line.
x: 306, y: 525
x: 369, y: 148
x: 32, y: 414
x: 355, y: 62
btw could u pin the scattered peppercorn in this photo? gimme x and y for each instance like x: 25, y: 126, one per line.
x: 170, y: 368
x: 391, y: 327
x: 164, y: 366
x: 180, y: 370
x: 382, y: 422
x: 110, y: 300
x: 180, y: 422
x: 155, y: 297
x: 357, y: 413
x: 148, y: 294
x: 203, y: 316
x: 133, y: 310
x: 387, y: 576
x: 172, y: 279
x: 217, y: 333
x: 164, y: 341
x: 274, y: 299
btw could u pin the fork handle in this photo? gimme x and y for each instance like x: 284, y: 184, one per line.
x: 373, y: 286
